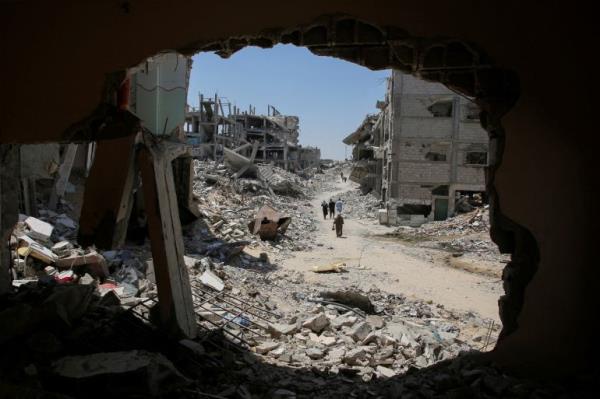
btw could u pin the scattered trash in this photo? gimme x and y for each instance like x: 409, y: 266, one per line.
x: 336, y: 267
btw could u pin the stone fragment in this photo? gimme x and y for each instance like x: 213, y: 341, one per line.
x: 376, y: 321
x: 385, y: 372
x: 386, y: 340
x: 353, y: 356
x: 266, y: 347
x: 137, y: 373
x: 372, y: 337
x: 337, y: 354
x: 315, y: 353
x: 38, y: 229
x: 327, y: 341
x: 211, y: 280
x: 316, y: 323
x: 277, y: 330
x: 360, y: 331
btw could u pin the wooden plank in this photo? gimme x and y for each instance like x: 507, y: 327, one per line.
x: 174, y: 292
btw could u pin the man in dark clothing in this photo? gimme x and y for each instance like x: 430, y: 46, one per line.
x: 325, y: 207
x: 331, y: 208
x: 342, y: 176
x: 338, y: 223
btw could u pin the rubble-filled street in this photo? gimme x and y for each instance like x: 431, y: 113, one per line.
x: 314, y: 315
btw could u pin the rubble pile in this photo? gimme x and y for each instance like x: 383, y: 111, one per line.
x: 466, y: 233
x: 374, y: 334
x: 360, y: 206
x: 45, y: 249
x: 228, y: 206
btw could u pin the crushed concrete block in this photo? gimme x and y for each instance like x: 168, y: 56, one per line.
x: 266, y: 347
x: 315, y: 353
x: 211, y: 280
x: 277, y: 330
x: 342, y: 321
x: 189, y: 261
x: 385, y: 372
x: 376, y: 321
x: 353, y: 356
x: 327, y: 341
x: 62, y: 247
x: 372, y: 337
x: 360, y: 331
x: 386, y: 340
x: 128, y: 373
x: 337, y: 354
x: 38, y: 229
x: 316, y: 323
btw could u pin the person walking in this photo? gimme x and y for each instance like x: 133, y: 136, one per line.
x: 339, y: 205
x: 325, y: 208
x: 342, y: 176
x: 338, y: 224
x: 331, y: 208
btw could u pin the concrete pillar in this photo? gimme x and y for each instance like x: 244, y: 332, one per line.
x: 175, y: 303
x: 108, y: 194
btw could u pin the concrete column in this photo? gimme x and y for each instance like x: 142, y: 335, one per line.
x: 453, y: 153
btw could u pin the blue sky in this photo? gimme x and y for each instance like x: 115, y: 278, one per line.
x: 330, y: 96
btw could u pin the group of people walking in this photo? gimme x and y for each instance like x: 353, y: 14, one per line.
x: 331, y: 208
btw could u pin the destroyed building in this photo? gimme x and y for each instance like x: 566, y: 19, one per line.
x: 218, y: 130
x: 423, y: 151
x: 210, y: 127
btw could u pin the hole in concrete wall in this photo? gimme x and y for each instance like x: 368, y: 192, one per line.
x: 435, y: 156
x: 316, y: 39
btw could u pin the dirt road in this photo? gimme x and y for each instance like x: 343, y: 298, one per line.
x: 390, y: 265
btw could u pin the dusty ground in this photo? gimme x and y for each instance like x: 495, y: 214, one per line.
x: 390, y: 264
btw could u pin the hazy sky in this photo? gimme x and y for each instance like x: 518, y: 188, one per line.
x: 330, y: 96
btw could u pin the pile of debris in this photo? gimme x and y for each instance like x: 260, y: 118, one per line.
x: 476, y: 221
x: 72, y: 343
x: 360, y: 206
x: 228, y: 206
x: 466, y: 233
x: 44, y: 249
x: 370, y: 334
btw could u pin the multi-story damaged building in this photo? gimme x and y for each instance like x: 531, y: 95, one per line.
x: 271, y: 138
x: 423, y: 151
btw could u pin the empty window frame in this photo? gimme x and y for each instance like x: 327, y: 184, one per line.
x: 476, y: 158
x: 471, y: 112
x: 441, y: 109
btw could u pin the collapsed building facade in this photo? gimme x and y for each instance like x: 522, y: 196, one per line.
x: 502, y: 58
x: 216, y: 134
x: 422, y: 152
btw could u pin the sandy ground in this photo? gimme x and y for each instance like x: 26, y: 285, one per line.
x: 390, y: 265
